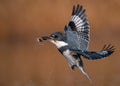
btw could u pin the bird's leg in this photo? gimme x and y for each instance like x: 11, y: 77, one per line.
x: 73, y: 67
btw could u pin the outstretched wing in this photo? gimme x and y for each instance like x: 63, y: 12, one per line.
x: 77, y: 31
x: 90, y: 55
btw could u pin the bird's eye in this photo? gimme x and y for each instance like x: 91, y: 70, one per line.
x: 55, y: 36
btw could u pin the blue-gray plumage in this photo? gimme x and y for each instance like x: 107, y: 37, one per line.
x: 74, y: 42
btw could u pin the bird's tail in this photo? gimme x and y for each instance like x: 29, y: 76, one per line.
x: 80, y: 66
x: 84, y: 72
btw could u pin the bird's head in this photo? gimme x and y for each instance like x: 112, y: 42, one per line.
x: 56, y: 38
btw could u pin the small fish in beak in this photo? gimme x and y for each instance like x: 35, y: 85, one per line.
x: 43, y: 38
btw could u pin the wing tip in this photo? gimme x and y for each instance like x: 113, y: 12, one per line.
x: 77, y: 9
x: 109, y: 48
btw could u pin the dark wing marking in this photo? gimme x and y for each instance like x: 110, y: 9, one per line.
x: 78, y: 28
x: 79, y: 21
x: 90, y: 55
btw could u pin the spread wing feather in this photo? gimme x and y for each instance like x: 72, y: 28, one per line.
x: 77, y: 31
x: 90, y: 55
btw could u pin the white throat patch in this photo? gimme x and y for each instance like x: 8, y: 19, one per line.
x: 59, y: 44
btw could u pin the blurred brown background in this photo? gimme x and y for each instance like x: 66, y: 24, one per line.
x: 24, y: 62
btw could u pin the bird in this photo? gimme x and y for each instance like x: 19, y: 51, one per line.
x: 73, y: 42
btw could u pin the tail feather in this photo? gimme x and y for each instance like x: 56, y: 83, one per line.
x: 80, y: 66
x: 84, y: 72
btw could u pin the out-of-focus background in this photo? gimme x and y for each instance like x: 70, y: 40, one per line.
x: 25, y: 62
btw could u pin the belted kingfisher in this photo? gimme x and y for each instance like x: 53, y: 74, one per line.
x: 74, y: 42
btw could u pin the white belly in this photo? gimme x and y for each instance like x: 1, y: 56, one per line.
x: 68, y: 56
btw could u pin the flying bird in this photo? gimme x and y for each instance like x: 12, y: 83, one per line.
x: 73, y: 44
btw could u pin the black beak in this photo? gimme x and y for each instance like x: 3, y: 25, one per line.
x: 43, y: 38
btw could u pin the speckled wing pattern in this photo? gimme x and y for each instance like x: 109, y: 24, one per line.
x: 77, y: 32
x: 77, y: 36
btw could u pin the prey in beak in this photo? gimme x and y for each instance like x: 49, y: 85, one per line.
x: 40, y: 39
